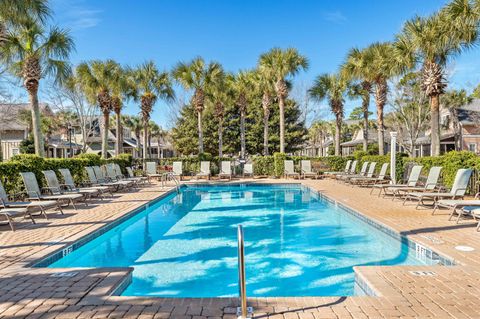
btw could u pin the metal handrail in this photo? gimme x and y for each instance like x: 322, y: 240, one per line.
x: 170, y: 176
x: 243, y: 313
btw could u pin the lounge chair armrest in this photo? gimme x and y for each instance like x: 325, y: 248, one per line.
x: 33, y: 195
x: 51, y: 190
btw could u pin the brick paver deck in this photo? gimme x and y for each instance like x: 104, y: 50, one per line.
x: 448, y: 292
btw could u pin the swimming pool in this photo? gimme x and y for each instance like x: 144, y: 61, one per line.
x: 296, y: 244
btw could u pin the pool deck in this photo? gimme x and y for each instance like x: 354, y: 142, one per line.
x: 445, y: 292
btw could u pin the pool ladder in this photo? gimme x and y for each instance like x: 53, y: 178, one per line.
x: 243, y: 312
x: 170, y: 177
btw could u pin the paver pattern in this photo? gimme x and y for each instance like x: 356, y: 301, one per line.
x: 449, y: 292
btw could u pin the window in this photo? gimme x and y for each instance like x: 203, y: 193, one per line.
x: 15, y: 151
x: 472, y: 147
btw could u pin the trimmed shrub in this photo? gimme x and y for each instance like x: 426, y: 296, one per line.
x: 263, y: 166
x: 279, y: 164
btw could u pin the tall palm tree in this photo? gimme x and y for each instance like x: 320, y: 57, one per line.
x: 356, y: 67
x: 432, y: 41
x: 98, y: 79
x: 452, y: 100
x: 282, y: 64
x: 151, y: 85
x: 198, y: 76
x: 242, y: 84
x: 333, y: 88
x: 33, y: 53
x: 265, y: 85
x: 220, y: 94
x: 122, y: 89
x: 13, y: 12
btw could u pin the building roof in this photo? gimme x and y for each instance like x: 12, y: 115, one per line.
x: 470, y: 113
x: 10, y: 118
x: 425, y: 140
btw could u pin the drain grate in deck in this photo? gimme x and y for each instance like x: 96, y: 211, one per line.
x: 423, y: 273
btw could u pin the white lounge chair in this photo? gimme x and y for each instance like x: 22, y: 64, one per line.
x: 114, y: 176
x: 352, y: 171
x: 306, y: 169
x: 369, y: 174
x: 460, y: 208
x: 369, y: 181
x: 204, y: 170
x: 345, y: 171
x: 458, y: 190
x: 69, y: 183
x: 131, y: 175
x: 473, y: 211
x: 151, y: 170
x: 362, y: 173
x: 248, y: 169
x: 177, y: 169
x: 289, y: 169
x: 412, y: 181
x: 430, y: 185
x: 225, y: 170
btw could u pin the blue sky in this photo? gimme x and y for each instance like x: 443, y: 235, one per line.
x: 236, y: 32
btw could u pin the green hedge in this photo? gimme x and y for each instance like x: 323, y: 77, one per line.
x: 10, y: 171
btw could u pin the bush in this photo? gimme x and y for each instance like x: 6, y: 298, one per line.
x: 279, y: 163
x: 263, y: 166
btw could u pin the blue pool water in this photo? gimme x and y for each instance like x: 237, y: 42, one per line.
x: 185, y: 245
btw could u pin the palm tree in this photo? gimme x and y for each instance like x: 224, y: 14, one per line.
x: 157, y: 133
x: 317, y: 134
x: 135, y: 124
x: 13, y: 12
x: 452, y: 100
x: 151, y: 85
x: 122, y: 89
x: 333, y: 88
x: 98, y: 79
x: 198, y: 76
x: 265, y: 85
x: 356, y: 67
x: 242, y: 84
x: 282, y: 64
x: 33, y: 53
x: 432, y: 41
x: 220, y: 94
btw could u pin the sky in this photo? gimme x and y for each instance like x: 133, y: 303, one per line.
x: 236, y: 32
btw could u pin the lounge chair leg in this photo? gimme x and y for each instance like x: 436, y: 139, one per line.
x: 10, y: 222
x: 435, y: 209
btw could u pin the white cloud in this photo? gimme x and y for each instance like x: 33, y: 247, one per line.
x: 76, y: 14
x: 336, y: 17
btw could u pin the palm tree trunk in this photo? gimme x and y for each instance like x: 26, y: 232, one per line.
x: 366, y: 102
x: 119, y: 135
x: 36, y: 123
x: 145, y: 139
x: 106, y: 120
x: 281, y: 104
x: 381, y: 100
x: 158, y: 147
x: 338, y: 128
x: 435, y: 124
x: 200, y: 133
x: 242, y: 134
x: 220, y: 138
x: 266, y: 115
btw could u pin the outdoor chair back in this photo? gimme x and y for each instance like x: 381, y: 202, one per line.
x: 151, y: 168
x: 31, y: 184
x: 130, y: 172
x: 347, y: 166
x: 205, y: 167
x: 353, y: 168
x: 363, y: 170
x: 371, y: 169
x: 462, y: 178
x: 433, y: 177
x: 289, y: 167
x: 52, y: 182
x: 91, y: 175
x: 226, y: 168
x: 414, y: 175
x: 383, y: 171
x: 67, y: 177
x: 306, y: 166
x: 177, y: 168
x: 248, y: 169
